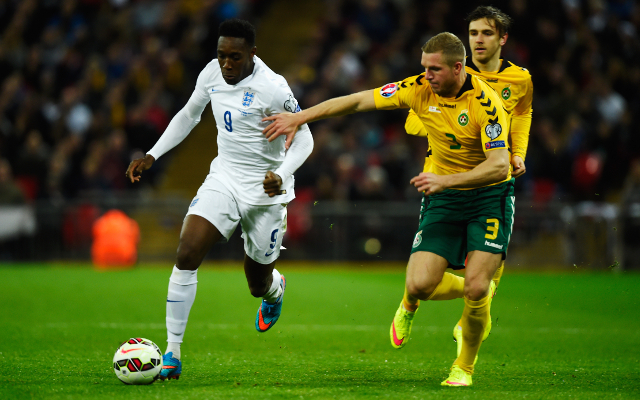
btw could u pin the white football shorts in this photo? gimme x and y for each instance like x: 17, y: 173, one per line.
x: 262, y: 226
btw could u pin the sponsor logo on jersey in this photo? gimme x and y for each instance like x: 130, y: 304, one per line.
x: 291, y: 104
x: 463, y: 118
x: 492, y: 80
x: 494, y: 145
x: 447, y: 105
x: 493, y: 130
x: 494, y: 245
x: 247, y: 98
x: 417, y: 240
x: 388, y: 90
x: 434, y: 109
x: 506, y: 93
x: 193, y: 203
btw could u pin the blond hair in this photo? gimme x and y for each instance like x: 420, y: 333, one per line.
x: 451, y: 47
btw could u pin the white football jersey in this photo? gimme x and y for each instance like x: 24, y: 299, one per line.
x: 244, y: 153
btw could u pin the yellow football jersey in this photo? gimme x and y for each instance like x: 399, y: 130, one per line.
x: 461, y: 128
x: 515, y: 87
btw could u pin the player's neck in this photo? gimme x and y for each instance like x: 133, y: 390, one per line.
x: 492, y: 65
x: 459, y: 84
x: 250, y: 68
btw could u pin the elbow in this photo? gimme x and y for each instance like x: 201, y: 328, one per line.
x: 502, y: 169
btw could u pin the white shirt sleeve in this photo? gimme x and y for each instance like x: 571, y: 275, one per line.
x: 300, y: 149
x: 302, y: 145
x: 184, y: 120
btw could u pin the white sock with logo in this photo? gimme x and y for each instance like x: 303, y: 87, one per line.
x: 182, y: 293
x: 275, y: 290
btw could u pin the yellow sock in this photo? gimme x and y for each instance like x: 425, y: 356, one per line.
x: 474, y: 319
x: 451, y: 287
x: 498, y: 274
x: 409, y: 302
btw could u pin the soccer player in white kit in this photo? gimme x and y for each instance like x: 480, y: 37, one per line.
x: 250, y: 181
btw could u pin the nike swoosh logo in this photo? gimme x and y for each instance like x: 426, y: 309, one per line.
x: 267, y: 255
x: 175, y: 301
x: 169, y: 367
x: 456, y: 383
x: 261, y: 323
x: 123, y: 351
x: 397, y: 341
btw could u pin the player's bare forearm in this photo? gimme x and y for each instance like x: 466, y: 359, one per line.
x: 493, y: 170
x: 287, y: 123
x: 134, y: 172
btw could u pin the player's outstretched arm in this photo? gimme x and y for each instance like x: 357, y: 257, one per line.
x: 493, y: 170
x: 287, y: 123
x: 134, y: 172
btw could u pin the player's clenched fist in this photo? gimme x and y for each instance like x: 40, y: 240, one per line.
x: 518, y: 166
x: 428, y: 183
x: 137, y: 166
x: 272, y: 183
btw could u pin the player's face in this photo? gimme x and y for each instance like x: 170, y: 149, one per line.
x: 484, y: 40
x: 235, y: 58
x: 440, y: 75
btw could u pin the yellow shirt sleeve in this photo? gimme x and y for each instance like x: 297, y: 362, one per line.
x: 401, y: 94
x: 521, y: 123
x: 414, y: 125
x: 493, y: 121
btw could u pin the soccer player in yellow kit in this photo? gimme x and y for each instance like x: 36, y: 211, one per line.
x: 488, y: 32
x: 469, y: 182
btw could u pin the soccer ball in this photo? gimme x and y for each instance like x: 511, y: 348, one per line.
x: 137, y: 361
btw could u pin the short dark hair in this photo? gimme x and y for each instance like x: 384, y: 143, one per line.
x: 238, y: 28
x: 451, y: 47
x: 501, y: 20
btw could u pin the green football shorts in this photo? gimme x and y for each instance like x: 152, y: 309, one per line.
x: 455, y: 222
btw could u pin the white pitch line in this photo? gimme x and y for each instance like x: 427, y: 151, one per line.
x: 324, y: 328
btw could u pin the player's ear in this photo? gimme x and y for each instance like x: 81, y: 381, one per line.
x: 503, y: 39
x: 458, y: 67
x: 253, y: 51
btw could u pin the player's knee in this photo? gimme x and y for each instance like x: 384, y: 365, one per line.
x: 423, y: 288
x: 475, y: 290
x: 189, y: 257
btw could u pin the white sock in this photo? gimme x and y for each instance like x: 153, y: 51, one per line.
x: 174, y: 348
x: 275, y: 290
x: 182, y: 293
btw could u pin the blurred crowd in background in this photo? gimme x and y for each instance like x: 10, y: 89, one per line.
x: 87, y: 85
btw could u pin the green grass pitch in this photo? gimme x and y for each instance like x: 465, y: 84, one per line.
x: 555, y: 336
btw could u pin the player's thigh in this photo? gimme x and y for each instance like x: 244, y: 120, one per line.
x: 199, y: 231
x: 442, y: 229
x: 262, y: 230
x: 216, y: 204
x: 490, y: 213
x: 424, y: 272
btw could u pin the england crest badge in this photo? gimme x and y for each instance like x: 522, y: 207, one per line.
x: 247, y: 98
